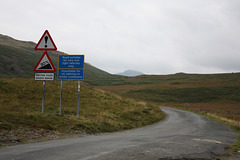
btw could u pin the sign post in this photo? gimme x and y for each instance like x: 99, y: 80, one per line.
x: 60, y: 111
x: 43, y: 100
x: 71, y: 67
x: 78, y: 98
x: 44, y: 70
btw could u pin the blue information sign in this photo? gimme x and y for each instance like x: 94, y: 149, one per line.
x: 71, y: 61
x: 70, y: 73
x: 71, y: 67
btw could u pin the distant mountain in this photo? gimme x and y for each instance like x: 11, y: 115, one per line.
x: 18, y: 59
x: 130, y: 73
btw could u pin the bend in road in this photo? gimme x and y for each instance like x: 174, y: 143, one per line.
x: 181, y: 135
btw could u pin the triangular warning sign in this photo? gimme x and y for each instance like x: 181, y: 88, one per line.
x: 46, y: 42
x: 44, y: 64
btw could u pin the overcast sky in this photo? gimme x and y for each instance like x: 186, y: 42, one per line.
x: 151, y: 36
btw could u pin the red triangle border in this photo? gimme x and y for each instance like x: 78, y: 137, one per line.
x: 51, y: 49
x: 35, y: 69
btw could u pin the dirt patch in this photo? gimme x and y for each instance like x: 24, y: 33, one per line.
x: 13, y: 137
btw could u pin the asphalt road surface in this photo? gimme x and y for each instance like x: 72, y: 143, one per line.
x: 182, y: 135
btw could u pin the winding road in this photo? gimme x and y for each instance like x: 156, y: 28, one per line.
x: 182, y: 135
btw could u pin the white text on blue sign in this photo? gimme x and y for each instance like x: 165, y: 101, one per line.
x: 71, y: 61
x: 70, y: 73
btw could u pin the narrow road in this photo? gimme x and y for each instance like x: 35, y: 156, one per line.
x: 182, y: 135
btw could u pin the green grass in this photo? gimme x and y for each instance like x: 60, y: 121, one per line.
x: 181, y: 88
x: 187, y: 95
x: 100, y: 111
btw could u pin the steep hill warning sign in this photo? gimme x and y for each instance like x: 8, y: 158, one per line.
x: 44, y: 64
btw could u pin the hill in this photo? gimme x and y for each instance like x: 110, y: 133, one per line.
x: 18, y: 58
x: 214, y: 95
x: 217, y: 95
x: 21, y: 119
x: 130, y: 73
x: 181, y: 88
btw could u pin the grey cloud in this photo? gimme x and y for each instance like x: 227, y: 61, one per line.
x: 152, y: 36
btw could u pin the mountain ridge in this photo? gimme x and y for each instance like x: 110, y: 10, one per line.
x: 130, y: 73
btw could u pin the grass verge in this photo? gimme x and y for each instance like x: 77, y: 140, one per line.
x: 21, y: 120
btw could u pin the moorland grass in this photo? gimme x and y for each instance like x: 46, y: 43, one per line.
x: 100, y: 111
x: 214, y: 95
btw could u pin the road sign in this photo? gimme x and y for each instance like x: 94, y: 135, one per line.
x: 44, y: 64
x: 70, y: 74
x: 71, y: 67
x: 71, y: 61
x: 46, y: 42
x: 44, y: 76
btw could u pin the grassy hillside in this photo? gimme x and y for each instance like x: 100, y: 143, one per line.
x: 21, y: 119
x: 18, y: 59
x: 98, y: 77
x: 181, y: 88
x: 215, y: 94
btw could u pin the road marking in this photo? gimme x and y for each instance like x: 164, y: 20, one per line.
x: 140, y: 153
x: 207, y: 140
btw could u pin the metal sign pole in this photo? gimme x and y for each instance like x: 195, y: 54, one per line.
x: 60, y: 112
x: 43, y: 100
x: 78, y: 98
x: 41, y: 65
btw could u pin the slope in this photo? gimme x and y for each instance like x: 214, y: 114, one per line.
x: 18, y: 58
x: 21, y: 119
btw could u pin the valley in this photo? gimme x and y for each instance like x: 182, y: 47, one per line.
x: 109, y: 102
